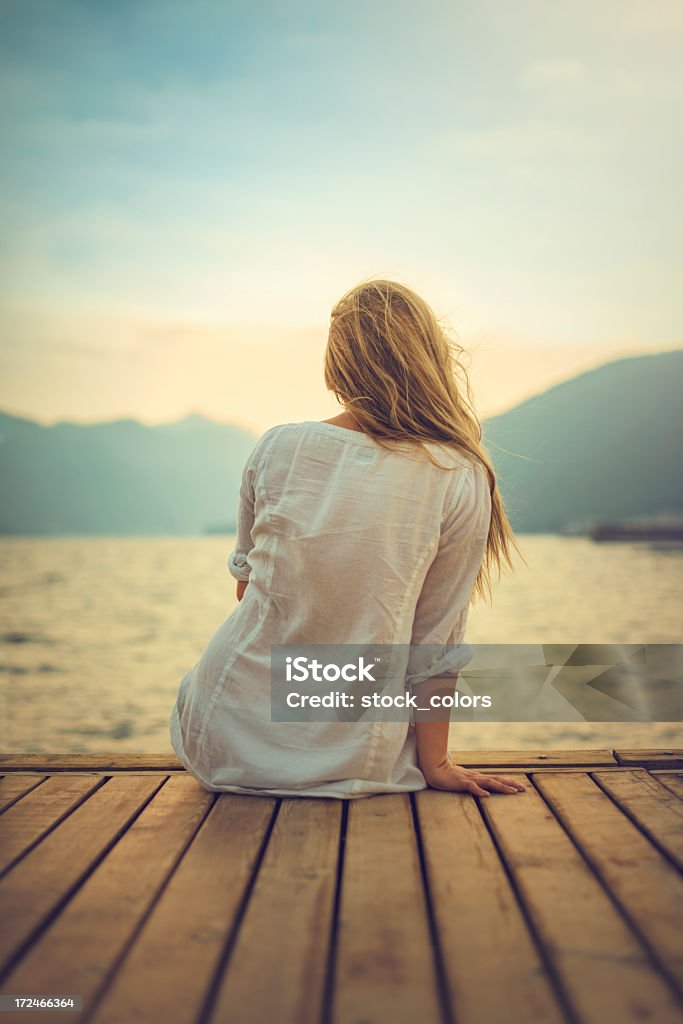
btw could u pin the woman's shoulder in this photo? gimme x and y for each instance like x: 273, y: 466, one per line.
x: 268, y: 439
x: 279, y: 430
x: 320, y: 430
x: 262, y: 445
x: 453, y: 458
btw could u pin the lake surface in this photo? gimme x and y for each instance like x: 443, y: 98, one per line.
x: 98, y: 631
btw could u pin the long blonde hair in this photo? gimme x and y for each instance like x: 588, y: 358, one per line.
x: 395, y: 368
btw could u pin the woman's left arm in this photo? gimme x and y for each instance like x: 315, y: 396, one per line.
x: 238, y: 562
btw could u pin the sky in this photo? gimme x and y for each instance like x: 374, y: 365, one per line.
x: 187, y: 189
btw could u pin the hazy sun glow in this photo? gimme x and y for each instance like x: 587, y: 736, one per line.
x: 187, y: 190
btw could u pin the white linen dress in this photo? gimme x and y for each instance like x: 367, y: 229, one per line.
x: 342, y: 542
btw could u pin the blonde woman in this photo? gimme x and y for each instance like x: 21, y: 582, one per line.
x: 378, y: 526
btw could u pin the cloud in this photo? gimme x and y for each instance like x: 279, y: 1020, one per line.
x: 565, y: 73
x: 663, y: 17
x: 534, y: 139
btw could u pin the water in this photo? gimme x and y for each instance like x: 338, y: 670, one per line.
x: 97, y: 632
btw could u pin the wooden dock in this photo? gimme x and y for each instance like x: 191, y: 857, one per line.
x: 124, y: 882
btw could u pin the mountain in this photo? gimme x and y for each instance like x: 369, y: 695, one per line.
x: 604, y: 445
x: 119, y: 477
x: 607, y: 444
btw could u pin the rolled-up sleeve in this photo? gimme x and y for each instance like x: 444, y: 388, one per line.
x: 437, y: 639
x: 238, y: 559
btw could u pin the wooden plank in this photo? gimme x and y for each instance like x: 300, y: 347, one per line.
x: 530, y: 758
x: 479, y: 922
x: 293, y: 897
x: 674, y: 783
x: 76, y: 952
x: 169, y: 762
x: 170, y: 967
x: 652, y: 895
x: 43, y: 879
x: 650, y: 758
x: 385, y: 968
x: 536, y: 770
x: 653, y: 807
x: 93, y: 773
x: 27, y: 821
x: 97, y: 762
x: 603, y: 969
x: 13, y: 787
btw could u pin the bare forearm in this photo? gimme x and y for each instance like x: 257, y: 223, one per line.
x: 431, y: 734
x: 432, y: 724
x: 432, y: 745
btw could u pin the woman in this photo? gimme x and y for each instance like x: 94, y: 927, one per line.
x: 376, y: 526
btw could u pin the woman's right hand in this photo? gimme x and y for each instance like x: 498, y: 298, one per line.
x: 456, y: 779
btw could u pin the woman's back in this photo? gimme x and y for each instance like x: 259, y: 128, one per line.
x: 342, y: 542
x: 338, y: 532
